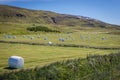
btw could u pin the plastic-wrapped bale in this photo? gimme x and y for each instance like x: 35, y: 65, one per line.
x: 45, y: 38
x: 14, y: 37
x: 16, y: 62
x: 31, y: 38
x: 38, y: 36
x: 61, y: 39
x: 49, y: 43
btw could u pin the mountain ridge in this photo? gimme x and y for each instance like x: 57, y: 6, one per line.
x: 22, y: 15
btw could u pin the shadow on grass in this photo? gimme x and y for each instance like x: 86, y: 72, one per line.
x: 9, y: 68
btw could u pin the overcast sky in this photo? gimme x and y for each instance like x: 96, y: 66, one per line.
x: 105, y: 10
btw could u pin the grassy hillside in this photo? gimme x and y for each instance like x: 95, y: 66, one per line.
x: 96, y: 67
x: 15, y: 14
x: 21, y: 29
x: 15, y: 20
x: 21, y: 15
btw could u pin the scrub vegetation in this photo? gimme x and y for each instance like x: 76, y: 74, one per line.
x: 105, y: 67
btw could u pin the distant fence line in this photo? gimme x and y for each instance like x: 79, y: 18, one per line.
x: 62, y: 45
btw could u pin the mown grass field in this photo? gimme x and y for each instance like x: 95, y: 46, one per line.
x: 41, y: 55
x: 36, y: 55
x: 97, y: 67
x: 96, y: 39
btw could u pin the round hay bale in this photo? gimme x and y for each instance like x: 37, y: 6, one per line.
x: 16, y: 62
x: 45, y: 38
x: 31, y: 38
x: 38, y: 36
x: 24, y: 36
x: 49, y: 43
x: 6, y: 36
x: 14, y: 37
x: 9, y: 36
x: 62, y: 39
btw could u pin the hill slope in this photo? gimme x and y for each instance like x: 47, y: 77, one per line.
x: 21, y: 15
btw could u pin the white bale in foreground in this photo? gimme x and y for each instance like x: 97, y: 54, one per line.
x: 16, y: 62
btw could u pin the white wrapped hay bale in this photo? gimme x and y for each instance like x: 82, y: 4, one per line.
x: 14, y: 37
x: 31, y: 38
x: 38, y: 36
x: 16, y: 62
x: 45, y: 38
x: 61, y: 39
x: 49, y: 43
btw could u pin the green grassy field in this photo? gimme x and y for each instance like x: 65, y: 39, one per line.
x: 40, y: 55
x: 96, y: 39
x: 36, y: 55
x: 97, y: 67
